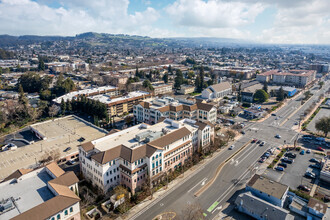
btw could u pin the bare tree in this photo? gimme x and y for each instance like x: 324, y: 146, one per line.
x: 53, y: 110
x: 192, y: 212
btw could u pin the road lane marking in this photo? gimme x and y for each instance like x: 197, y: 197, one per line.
x: 218, y: 208
x: 203, y: 180
x: 210, y: 209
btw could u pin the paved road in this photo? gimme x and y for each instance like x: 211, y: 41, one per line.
x: 235, y: 173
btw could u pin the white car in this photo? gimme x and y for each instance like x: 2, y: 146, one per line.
x: 231, y: 147
x: 278, y: 136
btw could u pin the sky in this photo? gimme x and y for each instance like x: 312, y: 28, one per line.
x: 266, y: 21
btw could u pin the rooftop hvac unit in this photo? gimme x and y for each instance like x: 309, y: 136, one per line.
x: 175, y: 124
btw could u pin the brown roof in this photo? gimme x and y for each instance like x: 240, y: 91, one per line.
x: 176, y: 108
x: 144, y: 104
x: 170, y: 138
x: 190, y: 107
x: 164, y: 109
x: 48, y: 208
x: 204, y: 106
x: 87, y: 146
x: 113, y: 131
x: 17, y: 174
x: 55, y: 169
x: 201, y: 125
x: 124, y: 152
x: 221, y: 86
x: 317, y: 205
x: 67, y: 179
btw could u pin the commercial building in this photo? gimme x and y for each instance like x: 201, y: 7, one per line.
x: 320, y: 68
x: 298, y: 78
x: 120, y: 105
x: 142, y: 153
x: 217, y: 91
x: 107, y: 90
x: 268, y: 190
x: 45, y: 193
x: 289, y: 91
x: 186, y: 89
x: 152, y: 110
x: 236, y: 72
x: 325, y: 172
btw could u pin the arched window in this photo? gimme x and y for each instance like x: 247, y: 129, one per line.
x: 66, y: 212
x: 71, y: 209
x: 58, y: 216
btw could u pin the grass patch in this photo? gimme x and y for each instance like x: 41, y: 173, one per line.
x: 278, y: 157
x: 195, y: 93
x: 300, y: 194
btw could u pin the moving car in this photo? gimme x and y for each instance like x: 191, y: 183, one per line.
x: 278, y: 136
x: 273, y: 114
x: 231, y: 147
x: 278, y: 168
x: 304, y: 188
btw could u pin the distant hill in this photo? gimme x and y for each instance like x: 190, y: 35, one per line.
x: 104, y: 39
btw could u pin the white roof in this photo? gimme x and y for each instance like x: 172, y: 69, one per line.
x: 106, y: 99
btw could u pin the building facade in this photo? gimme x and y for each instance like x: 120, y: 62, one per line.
x: 152, y: 110
x: 217, y: 91
x: 142, y: 153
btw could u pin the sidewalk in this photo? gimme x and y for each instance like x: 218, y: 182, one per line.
x: 161, y: 193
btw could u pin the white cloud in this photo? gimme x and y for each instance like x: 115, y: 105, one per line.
x: 213, y: 13
x: 107, y: 16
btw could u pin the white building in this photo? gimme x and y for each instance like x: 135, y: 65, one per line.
x: 131, y: 156
x: 45, y: 193
x: 217, y: 91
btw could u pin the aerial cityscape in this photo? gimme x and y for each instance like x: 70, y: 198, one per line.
x: 164, y: 110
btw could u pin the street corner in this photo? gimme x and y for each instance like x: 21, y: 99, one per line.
x: 165, y: 216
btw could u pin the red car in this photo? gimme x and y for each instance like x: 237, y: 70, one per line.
x: 254, y: 140
x: 262, y: 160
x: 320, y: 149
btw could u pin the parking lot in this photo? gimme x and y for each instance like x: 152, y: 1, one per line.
x: 322, y: 113
x: 293, y: 175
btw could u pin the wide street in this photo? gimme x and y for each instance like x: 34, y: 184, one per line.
x: 237, y: 171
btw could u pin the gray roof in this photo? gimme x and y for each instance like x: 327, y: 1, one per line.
x: 221, y: 86
x: 253, y: 204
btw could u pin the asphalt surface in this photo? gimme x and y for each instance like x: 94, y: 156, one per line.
x: 324, y: 112
x: 237, y: 172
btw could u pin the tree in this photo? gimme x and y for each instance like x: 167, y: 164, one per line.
x: 197, y: 84
x: 230, y: 134
x: 201, y: 77
x: 280, y: 95
x: 265, y: 87
x: 22, y: 98
x: 41, y: 65
x: 53, y: 110
x: 260, y: 96
x: 191, y: 75
x: 192, y: 212
x: 239, y: 93
x: 63, y: 106
x: 323, y: 124
x: 178, y: 81
x: 147, y: 84
x: 321, y: 83
x: 170, y: 69
x: 165, y: 78
x: 209, y: 82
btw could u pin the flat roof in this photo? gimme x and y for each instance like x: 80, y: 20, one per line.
x: 268, y: 186
x: 29, y: 191
x: 127, y: 137
x: 106, y: 99
x: 88, y: 91
x: 60, y: 133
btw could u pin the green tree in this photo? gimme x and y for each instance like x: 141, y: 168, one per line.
x: 63, y: 106
x: 41, y: 65
x: 170, y: 69
x: 321, y: 83
x: 22, y: 98
x: 165, y: 78
x: 239, y: 93
x: 265, y: 87
x: 280, y: 95
x: 201, y: 77
x: 191, y: 75
x: 260, y: 96
x: 323, y: 124
x: 197, y: 84
x: 147, y: 84
x: 178, y: 81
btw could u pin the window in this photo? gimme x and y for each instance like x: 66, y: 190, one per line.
x: 71, y: 209
x: 52, y: 218
x: 58, y: 216
x: 66, y: 212
x: 156, y: 156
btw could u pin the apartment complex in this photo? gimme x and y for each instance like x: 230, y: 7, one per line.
x: 299, y: 78
x: 217, y: 91
x: 131, y: 156
x: 152, y: 110
x: 160, y: 88
x: 107, y: 90
x: 120, y: 105
x: 45, y: 193
x: 186, y: 89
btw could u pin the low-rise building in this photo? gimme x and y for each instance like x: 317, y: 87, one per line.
x: 120, y: 105
x: 325, y: 172
x: 153, y: 109
x: 217, y: 91
x: 142, y: 153
x: 45, y: 193
x: 186, y: 89
x: 268, y: 190
x: 289, y: 91
x: 161, y: 88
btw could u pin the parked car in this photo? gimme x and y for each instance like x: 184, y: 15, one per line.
x: 310, y: 175
x: 81, y: 139
x: 242, y: 132
x: 304, y: 188
x: 262, y: 143
x: 273, y: 114
x: 296, y: 123
x: 231, y: 147
x: 67, y: 149
x: 320, y: 149
x: 302, y: 152
x: 254, y: 140
x: 315, y: 165
x: 261, y: 160
x: 291, y: 155
x: 308, y: 151
x: 287, y: 160
x: 266, y: 154
x: 259, y: 141
x: 314, y: 160
x: 278, y: 136
x: 72, y: 162
x: 283, y: 165
x: 278, y: 168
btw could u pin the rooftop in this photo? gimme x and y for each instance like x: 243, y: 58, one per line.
x: 106, y: 99
x: 268, y: 186
x: 29, y: 191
